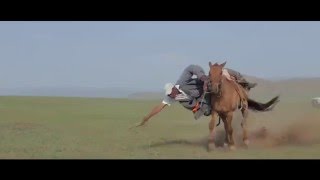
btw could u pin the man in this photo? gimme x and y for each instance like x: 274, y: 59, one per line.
x: 188, y: 91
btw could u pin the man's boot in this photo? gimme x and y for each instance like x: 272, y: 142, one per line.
x: 251, y: 85
x: 241, y: 80
x: 246, y: 84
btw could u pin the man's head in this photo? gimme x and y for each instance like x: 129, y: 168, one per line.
x: 171, y: 90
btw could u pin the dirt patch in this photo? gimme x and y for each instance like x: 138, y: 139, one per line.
x: 303, y: 132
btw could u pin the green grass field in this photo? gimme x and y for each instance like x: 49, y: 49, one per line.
x: 86, y: 128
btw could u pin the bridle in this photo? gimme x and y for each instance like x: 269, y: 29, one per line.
x: 209, y: 90
x: 219, y: 93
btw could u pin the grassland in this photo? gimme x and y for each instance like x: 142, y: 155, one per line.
x: 97, y: 128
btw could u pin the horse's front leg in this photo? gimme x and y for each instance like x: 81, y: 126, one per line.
x: 229, y: 118
x: 211, y: 140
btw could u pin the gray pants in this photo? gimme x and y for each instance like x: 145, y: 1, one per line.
x: 188, y: 72
x: 205, y: 104
x: 194, y: 87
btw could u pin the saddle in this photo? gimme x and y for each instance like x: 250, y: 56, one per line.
x: 241, y: 88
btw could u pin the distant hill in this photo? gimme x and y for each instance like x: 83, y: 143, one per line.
x: 68, y: 92
x: 294, y: 87
x: 146, y: 95
x: 308, y: 87
x: 263, y: 84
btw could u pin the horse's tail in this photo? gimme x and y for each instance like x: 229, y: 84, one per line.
x: 257, y: 106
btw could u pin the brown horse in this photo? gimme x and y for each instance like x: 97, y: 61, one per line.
x: 226, y: 97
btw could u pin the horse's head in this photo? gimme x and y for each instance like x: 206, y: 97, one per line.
x: 215, y: 75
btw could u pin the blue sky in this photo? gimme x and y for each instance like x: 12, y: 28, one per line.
x: 147, y: 54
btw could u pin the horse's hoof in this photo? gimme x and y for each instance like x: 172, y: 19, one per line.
x: 246, y: 142
x: 232, y: 147
x: 225, y: 145
x: 211, y: 147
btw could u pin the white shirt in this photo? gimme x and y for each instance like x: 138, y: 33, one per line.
x: 183, y: 96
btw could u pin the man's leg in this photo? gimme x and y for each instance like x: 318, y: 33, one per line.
x: 186, y: 76
x: 193, y: 91
x: 188, y: 104
x: 240, y: 79
x: 194, y: 88
x: 205, y: 106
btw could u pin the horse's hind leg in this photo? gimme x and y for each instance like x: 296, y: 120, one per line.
x: 211, y: 143
x: 245, y: 112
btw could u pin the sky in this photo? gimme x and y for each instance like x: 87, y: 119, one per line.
x: 148, y: 54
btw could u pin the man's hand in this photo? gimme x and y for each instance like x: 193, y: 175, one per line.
x: 205, y: 80
x: 154, y: 111
x: 145, y: 119
x: 205, y: 87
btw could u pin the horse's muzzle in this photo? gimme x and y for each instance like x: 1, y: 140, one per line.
x: 216, y: 89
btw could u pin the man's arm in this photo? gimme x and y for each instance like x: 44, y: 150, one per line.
x: 153, y: 112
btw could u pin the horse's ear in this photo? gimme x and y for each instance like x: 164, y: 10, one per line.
x: 210, y: 64
x: 223, y: 64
